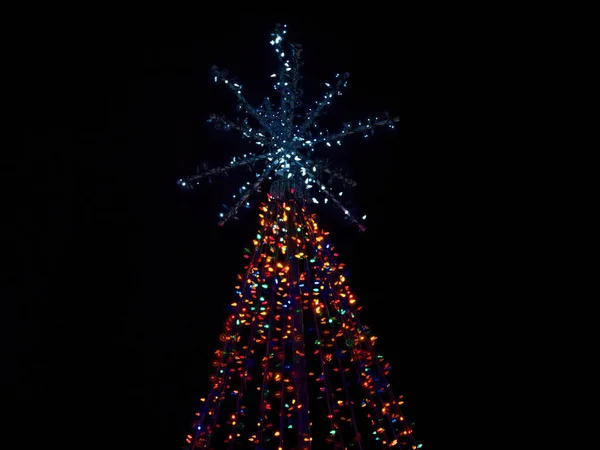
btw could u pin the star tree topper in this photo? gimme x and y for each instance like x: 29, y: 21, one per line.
x: 287, y: 137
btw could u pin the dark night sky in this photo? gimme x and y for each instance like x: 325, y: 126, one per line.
x: 122, y: 279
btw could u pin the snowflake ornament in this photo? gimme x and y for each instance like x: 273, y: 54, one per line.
x: 287, y: 137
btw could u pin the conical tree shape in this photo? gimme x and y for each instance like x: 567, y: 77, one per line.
x: 297, y: 369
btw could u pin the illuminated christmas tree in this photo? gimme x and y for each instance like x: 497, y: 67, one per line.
x: 296, y: 369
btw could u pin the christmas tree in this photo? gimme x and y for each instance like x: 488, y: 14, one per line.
x: 296, y: 369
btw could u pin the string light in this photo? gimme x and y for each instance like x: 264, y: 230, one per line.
x: 292, y: 330
x: 286, y: 135
x: 294, y: 356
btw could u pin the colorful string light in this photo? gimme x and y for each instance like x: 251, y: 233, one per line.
x: 296, y: 368
x: 294, y: 353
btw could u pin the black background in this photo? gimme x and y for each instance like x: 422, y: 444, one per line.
x: 121, y: 279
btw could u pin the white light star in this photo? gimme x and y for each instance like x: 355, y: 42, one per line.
x: 286, y: 140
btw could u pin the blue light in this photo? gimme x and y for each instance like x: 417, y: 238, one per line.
x: 282, y: 132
